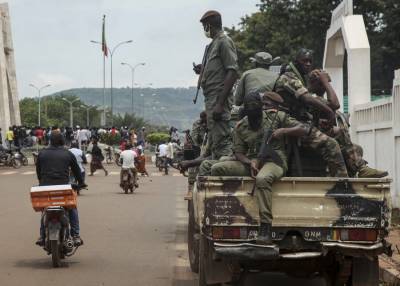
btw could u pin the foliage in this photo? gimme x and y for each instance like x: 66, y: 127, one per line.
x: 110, y: 139
x: 157, y: 138
x: 281, y: 27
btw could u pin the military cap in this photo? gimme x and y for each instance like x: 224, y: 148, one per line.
x: 264, y: 58
x: 208, y: 14
x: 304, y: 53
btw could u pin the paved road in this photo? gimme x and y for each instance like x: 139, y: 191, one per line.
x: 137, y: 239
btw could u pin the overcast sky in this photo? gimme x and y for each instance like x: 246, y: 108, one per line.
x: 52, y: 40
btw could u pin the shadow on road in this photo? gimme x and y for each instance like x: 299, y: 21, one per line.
x: 41, y: 263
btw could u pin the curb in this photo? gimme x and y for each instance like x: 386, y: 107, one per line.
x: 388, y: 271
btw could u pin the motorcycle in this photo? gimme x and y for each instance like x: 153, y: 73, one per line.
x: 117, y: 155
x: 129, y: 180
x: 58, y: 239
x: 8, y: 158
x: 22, y: 157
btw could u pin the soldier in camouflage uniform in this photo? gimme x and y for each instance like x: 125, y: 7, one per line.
x: 291, y: 86
x: 199, y: 129
x: 258, y: 79
x: 218, y: 76
x: 319, y: 84
x: 248, y: 138
x: 198, y: 133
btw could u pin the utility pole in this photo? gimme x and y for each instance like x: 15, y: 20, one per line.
x: 71, y: 114
x: 39, y: 96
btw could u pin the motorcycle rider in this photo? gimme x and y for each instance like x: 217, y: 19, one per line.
x: 52, y: 168
x: 127, y: 158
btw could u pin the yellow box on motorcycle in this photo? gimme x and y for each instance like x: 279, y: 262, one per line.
x: 50, y: 196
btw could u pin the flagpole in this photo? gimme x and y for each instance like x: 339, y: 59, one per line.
x: 104, y: 118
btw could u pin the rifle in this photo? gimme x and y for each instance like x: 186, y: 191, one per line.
x: 266, y: 152
x: 203, y: 63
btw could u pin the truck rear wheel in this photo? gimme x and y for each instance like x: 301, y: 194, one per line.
x: 204, y: 260
x: 193, y: 243
x: 365, y: 272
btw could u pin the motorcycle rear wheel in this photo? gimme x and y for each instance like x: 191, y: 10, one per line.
x: 16, y: 163
x: 25, y: 161
x: 55, y: 253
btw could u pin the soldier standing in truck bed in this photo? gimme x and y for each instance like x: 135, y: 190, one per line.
x: 258, y: 79
x: 218, y: 76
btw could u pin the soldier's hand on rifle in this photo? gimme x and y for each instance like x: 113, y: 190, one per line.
x: 197, y: 68
x: 217, y: 112
x: 254, y: 168
x: 278, y: 133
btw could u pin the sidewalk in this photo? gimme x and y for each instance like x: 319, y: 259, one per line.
x: 390, y: 266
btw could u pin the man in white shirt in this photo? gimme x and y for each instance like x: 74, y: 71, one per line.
x: 80, y: 157
x: 162, y: 149
x: 128, y: 163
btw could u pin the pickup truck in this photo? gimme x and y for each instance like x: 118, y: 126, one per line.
x: 331, y: 227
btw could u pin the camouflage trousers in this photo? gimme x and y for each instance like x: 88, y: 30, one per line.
x: 352, y: 153
x: 330, y: 151
x: 219, y: 132
x: 206, y: 165
x: 268, y: 174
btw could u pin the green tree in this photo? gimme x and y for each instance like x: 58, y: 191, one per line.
x: 281, y: 27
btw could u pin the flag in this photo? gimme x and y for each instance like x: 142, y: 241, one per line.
x: 104, y: 47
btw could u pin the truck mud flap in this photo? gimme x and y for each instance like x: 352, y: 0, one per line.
x: 246, y: 251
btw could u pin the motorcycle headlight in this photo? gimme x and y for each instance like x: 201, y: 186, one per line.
x: 18, y: 156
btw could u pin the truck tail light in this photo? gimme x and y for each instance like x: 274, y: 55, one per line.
x: 355, y: 234
x: 229, y: 232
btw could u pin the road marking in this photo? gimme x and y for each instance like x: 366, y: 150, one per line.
x: 176, y: 175
x: 28, y: 173
x: 113, y: 173
x: 9, y: 173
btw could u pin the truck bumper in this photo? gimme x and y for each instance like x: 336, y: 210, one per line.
x: 246, y: 251
x: 250, y: 251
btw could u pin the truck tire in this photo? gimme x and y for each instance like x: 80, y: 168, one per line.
x: 193, y: 243
x: 204, y: 259
x: 365, y: 272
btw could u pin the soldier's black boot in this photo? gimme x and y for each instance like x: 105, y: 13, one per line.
x: 264, y: 234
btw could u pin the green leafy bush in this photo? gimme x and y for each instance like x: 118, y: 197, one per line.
x: 157, y: 138
x: 109, y: 139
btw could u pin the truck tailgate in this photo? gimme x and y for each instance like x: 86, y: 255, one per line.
x: 297, y: 202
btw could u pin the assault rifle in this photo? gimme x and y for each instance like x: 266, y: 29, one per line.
x: 203, y: 64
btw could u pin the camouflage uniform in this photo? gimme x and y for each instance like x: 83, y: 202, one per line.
x: 248, y: 142
x: 291, y: 86
x: 198, y: 133
x: 258, y: 79
x: 199, y: 129
x: 221, y: 57
x: 352, y: 153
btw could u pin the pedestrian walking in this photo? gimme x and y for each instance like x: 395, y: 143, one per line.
x: 97, y: 160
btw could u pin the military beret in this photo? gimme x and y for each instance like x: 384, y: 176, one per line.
x: 209, y: 14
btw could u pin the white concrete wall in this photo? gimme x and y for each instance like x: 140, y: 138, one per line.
x: 376, y: 127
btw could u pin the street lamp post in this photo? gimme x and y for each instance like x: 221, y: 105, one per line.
x: 133, y: 68
x: 39, y: 91
x: 87, y: 113
x: 112, y: 51
x: 71, y: 114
